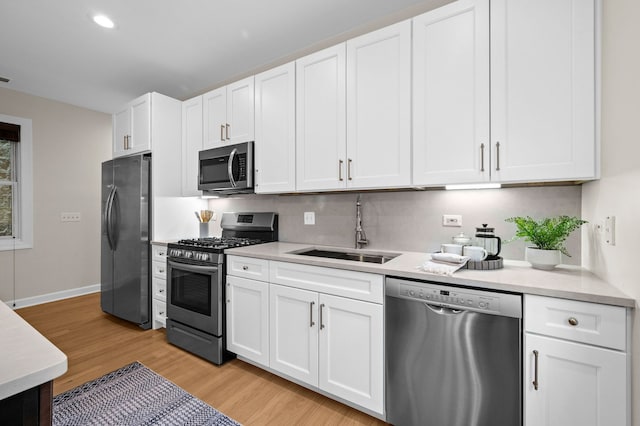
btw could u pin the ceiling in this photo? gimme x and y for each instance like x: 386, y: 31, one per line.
x: 54, y: 50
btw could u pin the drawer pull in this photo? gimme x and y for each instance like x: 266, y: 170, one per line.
x: 245, y: 268
x: 161, y: 290
x: 321, y: 324
x: 535, y: 370
x: 161, y: 270
x: 573, y: 321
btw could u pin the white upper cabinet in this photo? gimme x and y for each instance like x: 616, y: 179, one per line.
x: 321, y: 120
x: 229, y: 114
x: 191, y: 144
x: 275, y: 143
x: 543, y: 89
x: 513, y: 101
x: 451, y: 94
x: 378, y: 108
x: 132, y: 127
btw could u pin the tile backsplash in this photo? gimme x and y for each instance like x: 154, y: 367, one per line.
x: 411, y: 220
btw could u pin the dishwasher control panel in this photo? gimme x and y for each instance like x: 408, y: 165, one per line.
x: 456, y: 298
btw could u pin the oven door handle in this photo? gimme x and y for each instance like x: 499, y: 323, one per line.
x: 192, y: 268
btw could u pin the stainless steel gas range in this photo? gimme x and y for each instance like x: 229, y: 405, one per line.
x: 195, y: 276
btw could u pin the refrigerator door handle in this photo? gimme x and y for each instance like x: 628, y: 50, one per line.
x: 109, y: 218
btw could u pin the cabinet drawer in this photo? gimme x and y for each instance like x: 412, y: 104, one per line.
x: 159, y: 270
x: 159, y: 289
x: 356, y: 285
x: 160, y: 311
x: 159, y: 253
x: 247, y: 267
x: 592, y: 323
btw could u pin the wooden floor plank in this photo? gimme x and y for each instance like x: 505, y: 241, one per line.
x: 96, y: 343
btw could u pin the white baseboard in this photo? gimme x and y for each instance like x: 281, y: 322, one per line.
x: 52, y: 297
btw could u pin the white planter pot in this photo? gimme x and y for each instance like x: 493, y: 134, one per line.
x: 542, y: 259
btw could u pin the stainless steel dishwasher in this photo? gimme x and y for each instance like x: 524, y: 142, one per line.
x: 453, y: 355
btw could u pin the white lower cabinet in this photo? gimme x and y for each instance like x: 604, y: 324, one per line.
x: 568, y: 381
x: 331, y: 342
x: 308, y: 325
x: 248, y: 318
x: 159, y: 286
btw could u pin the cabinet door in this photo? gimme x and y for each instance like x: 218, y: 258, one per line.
x: 451, y: 94
x: 321, y: 120
x: 121, y: 126
x: 294, y: 333
x: 214, y: 113
x: 543, y: 89
x: 240, y: 111
x: 140, y: 125
x: 378, y: 108
x: 275, y: 146
x: 351, y: 351
x: 191, y: 145
x: 578, y: 385
x: 248, y: 318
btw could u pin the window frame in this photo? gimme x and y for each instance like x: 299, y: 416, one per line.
x: 23, y: 197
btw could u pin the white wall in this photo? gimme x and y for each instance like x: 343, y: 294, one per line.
x: 618, y: 192
x: 69, y: 144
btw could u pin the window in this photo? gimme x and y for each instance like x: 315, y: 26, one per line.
x: 16, y: 187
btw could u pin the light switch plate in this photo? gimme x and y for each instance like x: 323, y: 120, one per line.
x: 452, y: 220
x: 309, y: 218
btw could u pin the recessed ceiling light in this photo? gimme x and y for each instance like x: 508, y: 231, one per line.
x: 103, y: 21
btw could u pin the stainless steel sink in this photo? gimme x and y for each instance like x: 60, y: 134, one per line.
x: 353, y: 256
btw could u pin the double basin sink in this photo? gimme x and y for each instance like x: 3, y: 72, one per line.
x: 347, y: 255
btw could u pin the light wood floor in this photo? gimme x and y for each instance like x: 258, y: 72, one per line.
x: 96, y: 343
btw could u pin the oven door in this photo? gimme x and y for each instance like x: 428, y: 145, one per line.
x: 195, y: 296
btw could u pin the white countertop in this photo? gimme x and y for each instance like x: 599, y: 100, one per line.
x: 565, y: 281
x: 27, y: 358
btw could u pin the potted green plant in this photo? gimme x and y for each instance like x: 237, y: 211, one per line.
x: 547, y: 236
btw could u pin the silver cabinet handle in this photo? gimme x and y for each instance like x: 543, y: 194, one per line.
x: 340, y: 163
x: 245, y: 268
x: 349, y: 169
x: 482, y: 157
x: 311, y: 323
x: 321, y: 324
x: 228, y: 131
x: 535, y: 370
x: 161, y: 290
x: 222, y: 132
x: 573, y: 321
x: 161, y: 271
x: 497, y: 156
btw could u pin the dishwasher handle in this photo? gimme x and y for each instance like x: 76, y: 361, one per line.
x: 443, y: 310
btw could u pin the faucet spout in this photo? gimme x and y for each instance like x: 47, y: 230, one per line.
x: 361, y: 237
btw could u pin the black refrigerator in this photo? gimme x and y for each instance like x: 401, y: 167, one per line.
x: 125, y: 250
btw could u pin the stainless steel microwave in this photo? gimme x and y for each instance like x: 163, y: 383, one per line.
x: 226, y: 169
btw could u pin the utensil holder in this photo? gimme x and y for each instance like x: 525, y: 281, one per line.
x: 205, y: 230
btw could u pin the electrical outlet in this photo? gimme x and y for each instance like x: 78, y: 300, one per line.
x: 452, y: 220
x: 70, y: 217
x: 309, y: 218
x: 610, y: 230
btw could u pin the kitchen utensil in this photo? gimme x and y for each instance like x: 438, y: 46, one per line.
x: 487, y: 239
x: 198, y: 216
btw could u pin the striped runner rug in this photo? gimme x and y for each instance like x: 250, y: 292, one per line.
x: 133, y: 395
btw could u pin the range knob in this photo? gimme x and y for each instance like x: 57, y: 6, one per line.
x: 187, y: 254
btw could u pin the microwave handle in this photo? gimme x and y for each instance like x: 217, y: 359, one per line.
x: 230, y: 167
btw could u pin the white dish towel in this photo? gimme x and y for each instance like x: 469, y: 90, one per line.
x: 444, y: 263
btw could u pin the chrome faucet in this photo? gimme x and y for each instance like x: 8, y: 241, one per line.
x: 361, y: 237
